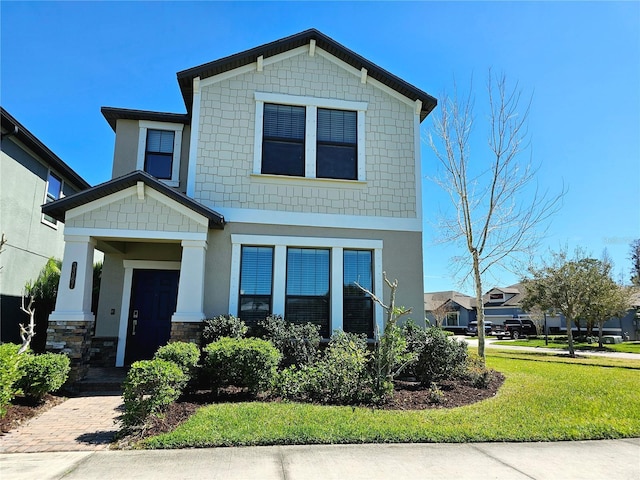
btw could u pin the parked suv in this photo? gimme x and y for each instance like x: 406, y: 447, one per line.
x: 515, y: 328
x: 472, y: 328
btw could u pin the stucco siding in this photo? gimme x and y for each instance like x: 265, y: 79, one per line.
x: 225, y: 154
x: 401, y: 259
x: 131, y: 213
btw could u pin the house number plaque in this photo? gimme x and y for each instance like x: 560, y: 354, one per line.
x: 72, y: 279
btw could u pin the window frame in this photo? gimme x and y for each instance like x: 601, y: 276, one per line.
x: 457, y: 319
x: 311, y: 105
x: 50, y: 221
x: 240, y: 292
x: 336, y: 245
x: 177, y: 128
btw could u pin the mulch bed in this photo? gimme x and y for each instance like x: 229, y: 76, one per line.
x: 408, y: 395
x: 22, y: 409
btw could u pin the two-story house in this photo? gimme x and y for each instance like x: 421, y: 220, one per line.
x: 30, y: 175
x: 294, y: 173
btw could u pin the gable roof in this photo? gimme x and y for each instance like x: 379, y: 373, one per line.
x: 185, y: 77
x: 433, y: 300
x: 14, y: 128
x: 58, y: 208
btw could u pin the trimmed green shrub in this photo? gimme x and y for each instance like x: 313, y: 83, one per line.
x: 184, y: 355
x: 297, y: 343
x: 340, y: 376
x: 223, y: 326
x: 43, y: 374
x: 440, y: 357
x: 10, y: 373
x: 244, y: 362
x: 477, y: 373
x: 150, y: 386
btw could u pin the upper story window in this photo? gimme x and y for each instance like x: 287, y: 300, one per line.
x: 158, y: 157
x: 283, y: 142
x: 337, y: 149
x: 309, y: 137
x: 54, y: 192
x: 159, y: 146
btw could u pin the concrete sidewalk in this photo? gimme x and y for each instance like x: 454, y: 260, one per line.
x: 614, y: 459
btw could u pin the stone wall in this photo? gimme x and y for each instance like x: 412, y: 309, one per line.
x: 72, y: 338
x: 103, y: 351
x: 190, y: 332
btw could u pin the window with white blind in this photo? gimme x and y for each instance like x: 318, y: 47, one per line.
x: 309, y: 137
x: 308, y: 291
x: 256, y: 279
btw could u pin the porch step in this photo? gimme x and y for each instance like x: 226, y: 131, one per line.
x: 102, y: 380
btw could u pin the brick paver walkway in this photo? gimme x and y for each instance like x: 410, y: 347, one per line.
x: 81, y: 423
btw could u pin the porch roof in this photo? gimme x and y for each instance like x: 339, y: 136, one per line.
x: 59, y: 208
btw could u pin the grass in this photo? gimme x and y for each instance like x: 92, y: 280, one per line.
x: 544, y: 398
x: 627, y: 347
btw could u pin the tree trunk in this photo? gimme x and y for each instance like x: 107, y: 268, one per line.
x: 572, y: 352
x: 479, y: 307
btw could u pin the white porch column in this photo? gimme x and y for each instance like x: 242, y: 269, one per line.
x: 190, y: 306
x: 76, y: 281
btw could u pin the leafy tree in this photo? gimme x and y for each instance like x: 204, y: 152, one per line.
x: 43, y: 290
x: 578, y: 288
x: 495, y: 212
x: 635, y: 259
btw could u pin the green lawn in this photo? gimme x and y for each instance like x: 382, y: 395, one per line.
x: 629, y: 347
x: 544, y: 398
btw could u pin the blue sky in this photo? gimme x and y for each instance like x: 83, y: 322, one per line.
x: 60, y: 62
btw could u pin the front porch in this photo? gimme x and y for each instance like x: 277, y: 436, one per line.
x: 154, y: 241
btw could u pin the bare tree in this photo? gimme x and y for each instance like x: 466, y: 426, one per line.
x: 442, y: 310
x: 498, y: 210
x: 28, y: 332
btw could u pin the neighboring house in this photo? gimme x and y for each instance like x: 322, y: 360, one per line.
x: 30, y: 175
x: 450, y: 309
x: 294, y: 173
x: 502, y: 303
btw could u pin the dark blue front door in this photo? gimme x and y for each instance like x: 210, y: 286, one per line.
x: 154, y: 294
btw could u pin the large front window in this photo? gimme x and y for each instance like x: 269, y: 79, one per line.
x: 358, y: 306
x: 256, y: 272
x: 308, y: 293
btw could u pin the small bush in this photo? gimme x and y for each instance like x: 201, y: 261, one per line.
x: 150, y: 386
x: 440, y: 358
x: 43, y: 374
x: 10, y: 373
x: 340, y: 376
x: 416, y: 338
x: 184, y: 355
x: 477, y: 374
x: 436, y: 395
x: 223, y: 326
x: 297, y: 343
x: 245, y: 362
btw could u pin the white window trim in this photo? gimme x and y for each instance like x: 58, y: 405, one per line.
x: 278, y: 292
x: 496, y: 300
x: 446, y: 319
x: 43, y: 218
x: 177, y: 146
x: 312, y: 104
